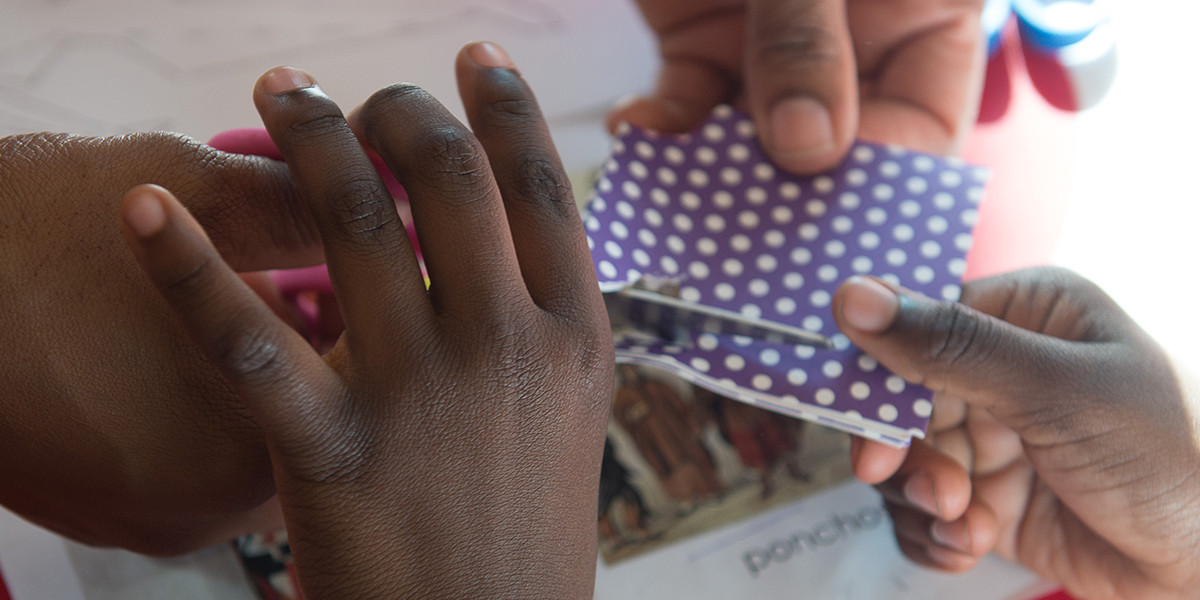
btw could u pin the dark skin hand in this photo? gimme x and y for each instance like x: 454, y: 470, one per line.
x: 449, y: 444
x: 116, y: 430
x: 1062, y: 436
x: 815, y: 74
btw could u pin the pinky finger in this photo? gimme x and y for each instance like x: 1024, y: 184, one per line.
x: 265, y: 361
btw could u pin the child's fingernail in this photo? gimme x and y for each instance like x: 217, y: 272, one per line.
x: 282, y: 80
x: 801, y: 129
x: 144, y: 213
x: 919, y: 490
x: 487, y: 54
x: 868, y: 305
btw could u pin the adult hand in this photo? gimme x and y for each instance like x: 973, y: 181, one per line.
x: 449, y: 444
x: 1062, y: 437
x: 116, y: 431
x: 817, y: 73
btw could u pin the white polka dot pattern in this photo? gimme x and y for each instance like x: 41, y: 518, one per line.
x: 709, y: 211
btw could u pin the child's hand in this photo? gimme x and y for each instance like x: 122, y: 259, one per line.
x: 1062, y: 436
x: 449, y: 445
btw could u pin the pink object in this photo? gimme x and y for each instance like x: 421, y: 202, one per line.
x: 1059, y: 595
x: 1029, y: 147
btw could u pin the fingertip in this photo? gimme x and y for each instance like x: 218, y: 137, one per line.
x: 284, y: 80
x: 274, y: 87
x: 488, y: 55
x: 865, y: 304
x: 873, y: 462
x: 143, y: 212
x: 800, y: 136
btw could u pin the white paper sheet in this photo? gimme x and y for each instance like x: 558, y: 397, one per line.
x: 836, y: 545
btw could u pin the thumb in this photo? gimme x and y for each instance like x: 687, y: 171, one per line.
x: 801, y: 82
x: 950, y: 347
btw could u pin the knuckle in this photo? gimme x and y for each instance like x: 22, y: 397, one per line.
x: 456, y: 150
x: 1058, y: 278
x: 533, y: 354
x: 595, y: 360
x: 458, y: 164
x: 542, y: 181
x: 957, y: 338
x: 785, y: 45
x: 516, y: 110
x: 362, y: 207
x: 249, y: 353
x: 314, y: 122
x: 386, y: 104
x: 501, y: 316
x: 189, y: 281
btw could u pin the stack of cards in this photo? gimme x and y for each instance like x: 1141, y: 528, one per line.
x: 708, y: 213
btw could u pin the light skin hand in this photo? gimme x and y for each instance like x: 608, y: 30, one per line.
x: 116, y: 430
x: 815, y: 74
x: 1062, y: 436
x: 449, y: 444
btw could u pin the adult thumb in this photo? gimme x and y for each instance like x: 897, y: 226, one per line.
x: 950, y: 347
x: 802, y: 82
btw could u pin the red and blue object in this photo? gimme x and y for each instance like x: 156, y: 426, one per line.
x: 1069, y: 47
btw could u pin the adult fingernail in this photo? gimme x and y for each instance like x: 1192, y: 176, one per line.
x: 919, y: 490
x: 868, y: 305
x: 487, y: 54
x: 144, y: 213
x: 801, y: 129
x: 282, y: 80
x: 952, y: 534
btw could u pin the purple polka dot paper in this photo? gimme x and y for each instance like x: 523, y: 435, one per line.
x: 708, y: 211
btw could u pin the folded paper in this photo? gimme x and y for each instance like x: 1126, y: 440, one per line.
x: 708, y: 212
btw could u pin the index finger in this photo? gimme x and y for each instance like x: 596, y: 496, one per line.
x: 921, y: 67
x: 371, y: 262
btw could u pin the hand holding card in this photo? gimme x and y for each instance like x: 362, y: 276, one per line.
x: 708, y: 211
